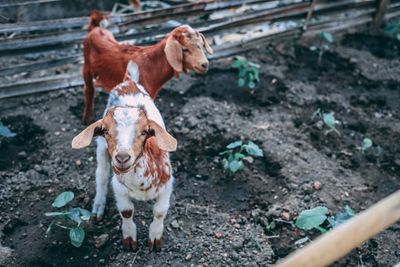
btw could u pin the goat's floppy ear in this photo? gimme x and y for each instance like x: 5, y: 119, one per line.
x: 206, y: 45
x: 165, y: 141
x: 132, y: 70
x: 173, y: 51
x: 85, y: 137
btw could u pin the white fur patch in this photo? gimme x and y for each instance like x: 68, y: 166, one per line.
x: 125, y: 119
x: 133, y: 71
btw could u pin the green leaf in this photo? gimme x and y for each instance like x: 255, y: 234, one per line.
x: 234, y: 144
x: 252, y: 85
x: 242, y: 73
x: 85, y: 214
x: 302, y: 240
x: 253, y: 150
x: 76, y: 236
x: 312, y: 218
x: 235, y: 165
x: 241, y: 82
x: 5, y: 131
x: 75, y: 215
x: 63, y: 199
x: 349, y: 210
x: 329, y: 120
x: 316, y: 113
x: 321, y: 229
x: 341, y: 217
x: 257, y: 75
x: 327, y: 36
x: 367, y: 143
x: 238, y: 156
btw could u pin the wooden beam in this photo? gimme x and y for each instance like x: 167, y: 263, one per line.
x: 380, y: 14
x: 335, y: 244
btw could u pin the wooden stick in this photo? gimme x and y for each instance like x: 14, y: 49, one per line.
x: 309, y: 14
x: 340, y: 241
x: 380, y: 14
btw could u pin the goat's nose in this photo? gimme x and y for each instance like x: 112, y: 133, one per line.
x: 205, y: 65
x: 122, y: 157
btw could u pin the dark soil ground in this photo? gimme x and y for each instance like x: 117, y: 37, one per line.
x: 218, y: 219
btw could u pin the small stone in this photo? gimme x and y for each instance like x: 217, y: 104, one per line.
x: 101, y: 240
x: 317, y: 185
x: 22, y: 154
x: 175, y: 224
x: 234, y: 256
x: 238, y: 244
x: 57, y: 133
x: 218, y: 234
x: 285, y: 215
x: 86, y: 257
x: 307, y: 198
x: 188, y: 257
x: 78, y: 162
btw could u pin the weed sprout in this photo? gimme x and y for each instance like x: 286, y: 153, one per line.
x: 325, y: 40
x: 72, y: 218
x: 249, y: 72
x: 235, y: 152
x: 328, y: 119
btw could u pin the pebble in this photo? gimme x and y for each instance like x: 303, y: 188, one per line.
x: 285, y: 215
x: 317, y: 185
x: 188, y: 257
x: 234, y: 256
x: 102, y: 261
x: 175, y: 224
x: 101, y: 240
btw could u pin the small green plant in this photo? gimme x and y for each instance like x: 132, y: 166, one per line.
x: 367, y: 146
x: 71, y: 218
x: 328, y: 119
x: 393, y: 29
x: 249, y: 72
x: 235, y: 152
x: 5, y: 132
x: 325, y: 41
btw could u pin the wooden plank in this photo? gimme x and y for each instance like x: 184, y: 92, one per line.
x: 380, y: 14
x: 340, y: 241
x: 39, y: 65
x: 14, y: 3
x: 40, y: 85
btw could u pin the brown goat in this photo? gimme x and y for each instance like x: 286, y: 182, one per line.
x: 106, y: 60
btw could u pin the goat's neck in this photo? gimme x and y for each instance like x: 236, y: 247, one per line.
x: 155, y: 70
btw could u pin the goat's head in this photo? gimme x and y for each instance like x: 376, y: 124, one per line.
x: 185, y: 50
x: 126, y: 130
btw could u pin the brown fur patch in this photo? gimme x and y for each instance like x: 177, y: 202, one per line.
x: 156, y: 162
x: 126, y: 214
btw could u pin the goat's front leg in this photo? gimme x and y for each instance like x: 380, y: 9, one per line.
x: 126, y: 209
x: 160, y: 210
x: 103, y: 171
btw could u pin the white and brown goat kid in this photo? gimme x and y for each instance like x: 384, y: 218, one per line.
x: 132, y: 140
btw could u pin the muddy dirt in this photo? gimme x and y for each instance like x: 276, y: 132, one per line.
x: 219, y: 219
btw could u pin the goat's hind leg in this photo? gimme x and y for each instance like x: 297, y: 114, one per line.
x: 160, y: 210
x: 103, y: 171
x: 126, y: 209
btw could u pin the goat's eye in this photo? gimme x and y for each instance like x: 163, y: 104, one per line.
x: 144, y: 132
x: 185, y: 50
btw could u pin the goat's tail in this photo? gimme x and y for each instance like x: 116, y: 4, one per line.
x: 96, y: 17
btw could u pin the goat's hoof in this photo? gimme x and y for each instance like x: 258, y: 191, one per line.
x: 157, y: 244
x: 130, y: 245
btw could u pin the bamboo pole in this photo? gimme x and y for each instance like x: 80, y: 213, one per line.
x: 337, y: 243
